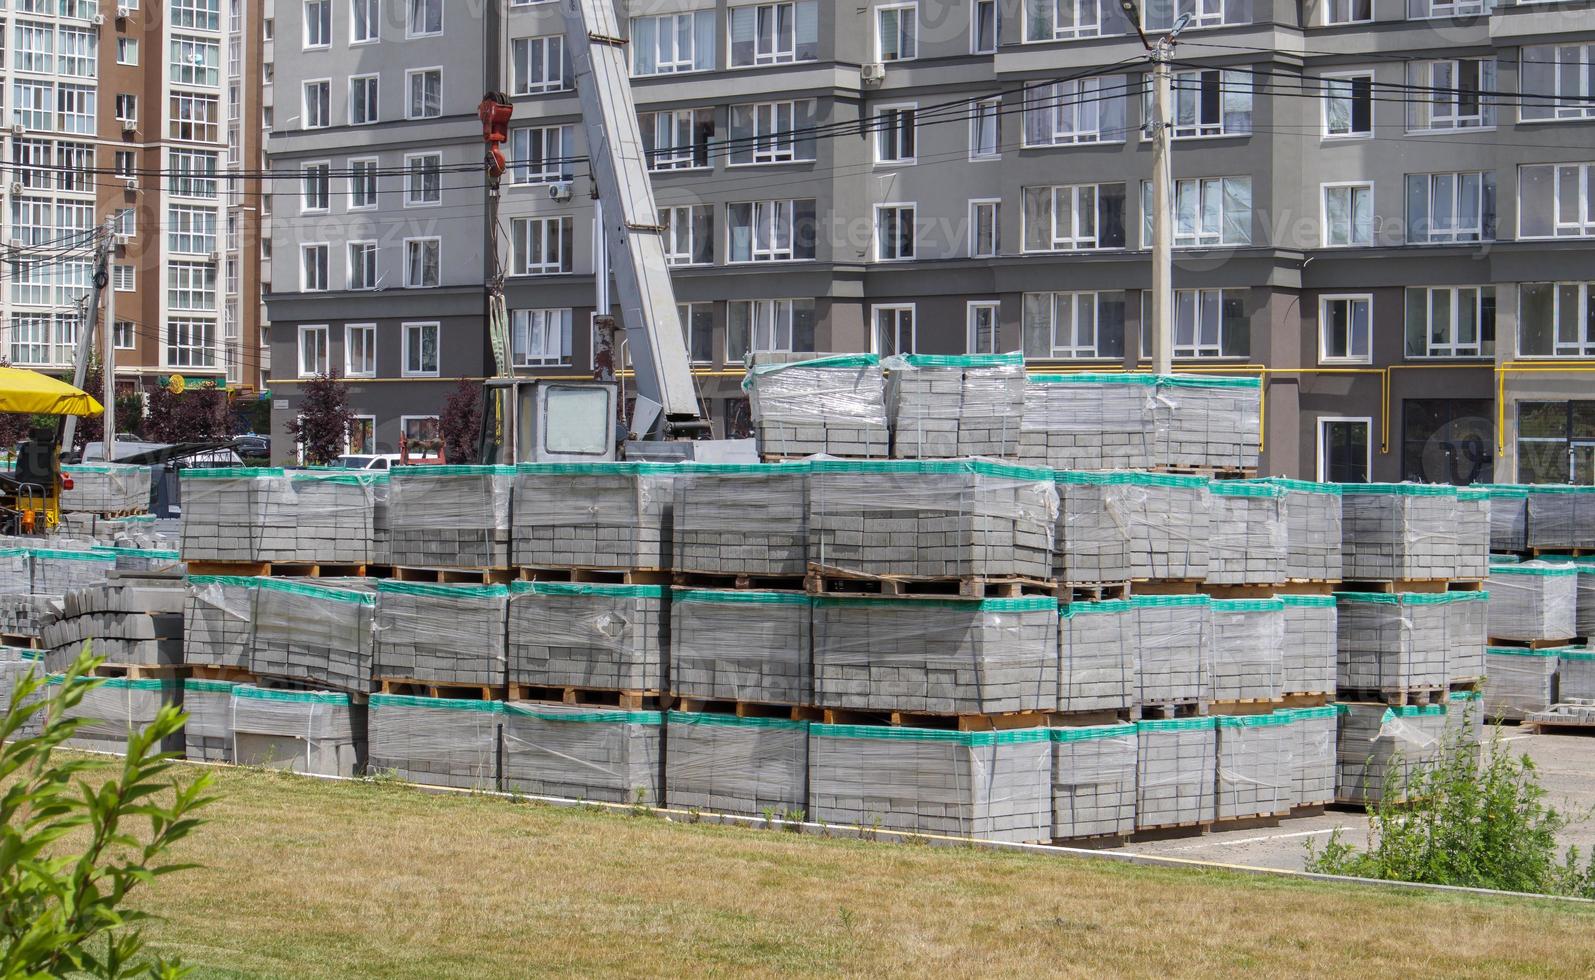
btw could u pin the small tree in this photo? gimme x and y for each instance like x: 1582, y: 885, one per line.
x: 190, y: 415
x: 71, y: 853
x: 322, y: 427
x: 462, y: 422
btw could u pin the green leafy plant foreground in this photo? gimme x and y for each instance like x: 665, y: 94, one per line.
x: 72, y: 849
x: 1481, y: 822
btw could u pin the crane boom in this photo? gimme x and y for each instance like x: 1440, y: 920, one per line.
x: 631, y: 226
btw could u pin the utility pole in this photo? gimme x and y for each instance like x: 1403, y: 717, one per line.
x: 80, y: 370
x: 108, y: 428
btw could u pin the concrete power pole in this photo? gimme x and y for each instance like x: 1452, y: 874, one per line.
x: 80, y: 369
x: 1162, y: 192
x: 108, y: 330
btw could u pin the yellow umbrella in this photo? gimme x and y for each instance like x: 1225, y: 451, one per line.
x: 25, y: 392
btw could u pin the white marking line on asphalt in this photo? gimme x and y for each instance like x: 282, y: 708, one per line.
x: 1253, y: 840
x: 1516, y: 738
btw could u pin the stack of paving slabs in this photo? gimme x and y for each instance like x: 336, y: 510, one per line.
x: 1256, y: 765
x: 1249, y: 541
x: 1533, y: 601
x: 1205, y: 421
x: 115, y: 707
x: 106, y: 488
x: 733, y: 645
x: 582, y: 753
x: 1464, y: 721
x: 568, y: 634
x: 445, y: 634
x: 218, y: 620
x: 208, y: 732
x: 936, y: 656
x: 130, y: 620
x: 1560, y: 518
x: 1381, y: 748
x: 935, y: 519
x: 1466, y: 635
x: 317, y: 732
x: 1313, y: 757
x: 1519, y: 681
x: 140, y: 559
x: 1397, y: 531
x: 316, y: 632
x: 435, y: 741
x: 1584, y: 608
x: 57, y: 572
x: 812, y: 404
x: 1171, y: 526
x: 593, y: 515
x: 15, y: 664
x: 1248, y: 649
x: 1509, y: 519
x: 381, y: 522
x: 16, y: 571
x: 1312, y: 530
x: 1093, y: 540
x: 450, y: 516
x: 955, y: 405
x: 1393, y: 642
x: 1310, y: 642
x: 134, y: 530
x: 727, y: 764
x: 272, y: 514
x: 1174, y: 648
x: 1088, y: 422
x: 25, y: 615
x: 334, y: 518
x: 990, y: 785
x: 1096, y: 656
x: 1473, y: 533
x: 1178, y: 772
x: 741, y: 520
x: 1093, y: 781
x: 1575, y: 674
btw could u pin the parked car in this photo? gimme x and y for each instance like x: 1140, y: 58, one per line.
x: 367, y: 461
x: 250, y: 444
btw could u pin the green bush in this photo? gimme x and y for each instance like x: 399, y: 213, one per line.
x: 71, y: 851
x: 1481, y: 822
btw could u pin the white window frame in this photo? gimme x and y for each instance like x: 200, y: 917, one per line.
x: 305, y: 247
x: 1322, y: 423
x: 416, y: 329
x: 354, y: 422
x: 986, y: 110
x: 304, y: 103
x: 1329, y: 8
x: 319, y: 171
x: 369, y: 330
x: 896, y: 137
x: 894, y: 308
x: 976, y: 204
x: 1324, y: 356
x: 974, y: 26
x: 913, y: 242
x: 1352, y: 186
x: 127, y: 51
x: 1452, y: 350
x: 1073, y: 350
x: 1460, y: 233
x: 126, y: 335
x: 771, y: 143
x: 1483, y: 119
x: 410, y: 77
x: 373, y: 21
x: 124, y: 277
x: 410, y: 198
x: 354, y: 164
x: 523, y: 230
x: 521, y: 80
x: 677, y: 65
x: 553, y: 164
x: 1349, y: 78
x: 773, y: 55
x: 311, y: 330
x: 668, y: 217
x: 526, y: 320
x: 1561, y: 349
x: 912, y: 35
x: 409, y: 21
x: 422, y: 240
x: 305, y: 43
x: 376, y: 99
x: 970, y: 332
x: 376, y: 264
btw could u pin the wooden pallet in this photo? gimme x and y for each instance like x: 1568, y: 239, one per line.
x: 1269, y: 590
x: 1168, y: 831
x: 211, y: 672
x: 595, y: 697
x: 1307, y: 699
x: 1426, y: 585
x: 1258, y: 822
x: 140, y: 672
x: 1399, y: 696
x: 1467, y: 684
x: 1093, y: 591
x: 1168, y: 586
x: 1558, y: 553
x: 1169, y: 710
x: 1211, y: 472
x: 117, y: 515
x: 709, y: 580
x: 1096, y: 842
x: 1083, y: 719
x: 453, y: 576
x: 1245, y: 706
x: 441, y: 689
x: 1569, y: 726
x: 746, y: 709
x: 912, y: 719
x: 825, y: 580
x: 596, y: 576
x: 265, y: 569
x: 1529, y: 644
x: 21, y: 641
x: 1309, y: 809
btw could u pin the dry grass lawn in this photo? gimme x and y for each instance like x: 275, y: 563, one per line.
x: 316, y: 879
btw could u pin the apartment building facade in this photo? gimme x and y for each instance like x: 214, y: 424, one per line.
x: 1382, y: 207
x: 145, y: 111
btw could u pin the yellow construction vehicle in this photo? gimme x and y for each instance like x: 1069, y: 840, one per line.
x: 30, y: 492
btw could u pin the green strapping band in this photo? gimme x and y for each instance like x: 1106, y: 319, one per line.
x: 732, y: 596
x: 1272, y: 720
x: 962, y: 360
x: 1091, y: 479
x: 1209, y: 381
x: 1472, y: 493
x: 1412, y: 711
x: 1524, y: 651
x: 1092, y: 732
x: 355, y: 478
x: 1514, y: 559
x: 1505, y: 491
x: 1310, y: 601
x: 89, y: 468
x: 434, y: 590
x: 1017, y: 736
x: 1168, y: 480
x: 597, y: 717
x: 12, y: 552
x: 588, y: 588
x: 1467, y: 695
x: 835, y: 361
x: 1022, y: 604
x: 597, y: 469
x: 791, y: 467
x: 1094, y: 378
x: 252, y: 693
x: 1155, y: 601
x: 233, y: 473
x: 1411, y: 598
x: 1202, y: 724
x: 451, y: 470
x: 1274, y: 604
x: 120, y: 683
x: 435, y: 704
x: 935, y: 467
x: 1581, y: 654
x: 1536, y: 568
x: 1399, y: 489
x: 317, y: 591
x: 1245, y: 488
x: 1322, y: 711
x: 1556, y: 488
x: 732, y: 721
x: 53, y: 554
x: 137, y: 552
x: 1100, y: 606
x: 212, y: 687
x: 1305, y: 486
x: 241, y: 581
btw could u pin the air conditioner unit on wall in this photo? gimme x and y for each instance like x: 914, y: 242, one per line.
x: 871, y: 75
x: 97, y: 19
x: 123, y: 11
